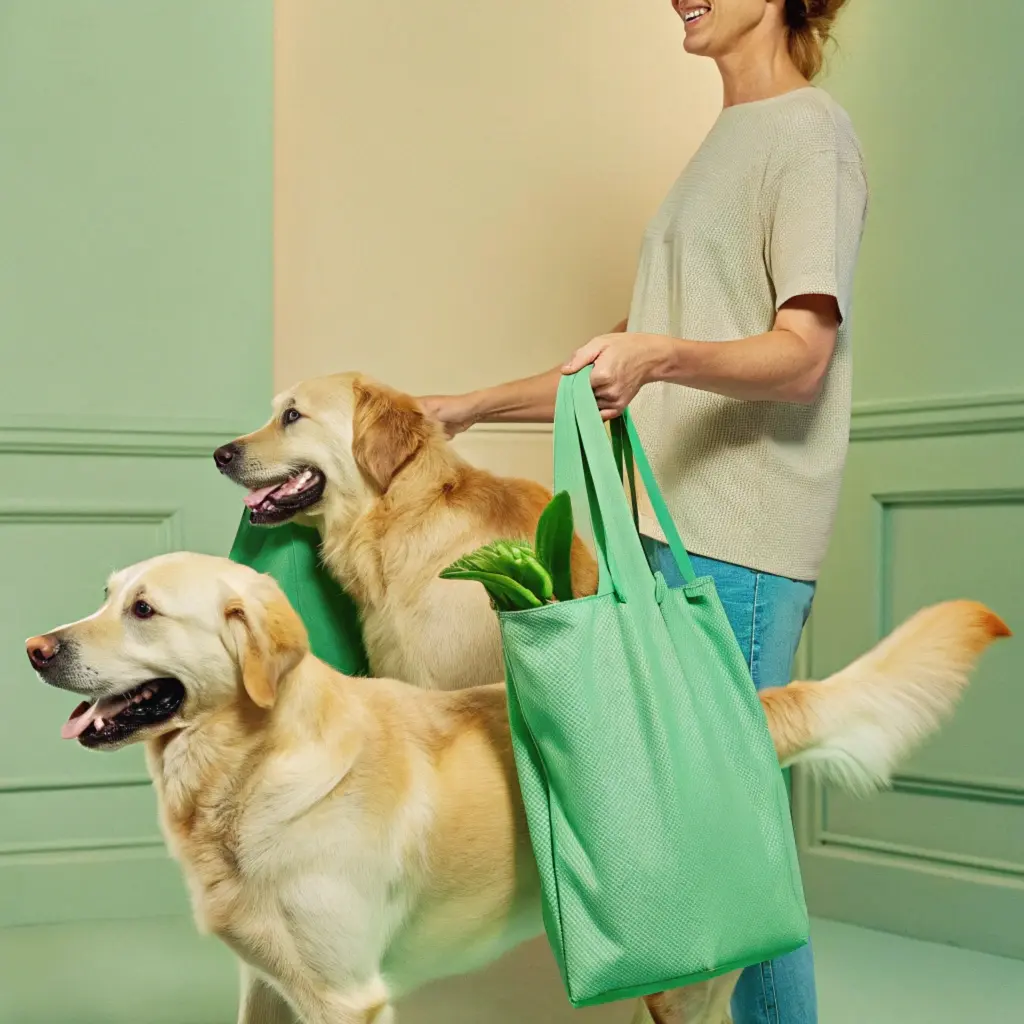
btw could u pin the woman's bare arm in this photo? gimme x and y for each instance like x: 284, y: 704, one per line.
x: 529, y: 400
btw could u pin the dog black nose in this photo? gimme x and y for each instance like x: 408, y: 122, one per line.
x: 224, y: 454
x: 42, y: 650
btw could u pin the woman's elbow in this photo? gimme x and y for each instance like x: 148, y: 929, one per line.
x: 806, y: 389
x: 810, y: 355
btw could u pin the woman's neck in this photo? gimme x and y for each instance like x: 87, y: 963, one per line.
x: 758, y: 70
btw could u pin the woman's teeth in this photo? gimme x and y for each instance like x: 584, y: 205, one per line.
x: 691, y: 16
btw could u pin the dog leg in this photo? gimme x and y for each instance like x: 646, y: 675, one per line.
x: 371, y: 1006
x: 334, y: 1014
x: 706, y: 1002
x: 261, y: 1003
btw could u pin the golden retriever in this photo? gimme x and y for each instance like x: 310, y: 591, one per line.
x: 395, y: 504
x: 352, y: 839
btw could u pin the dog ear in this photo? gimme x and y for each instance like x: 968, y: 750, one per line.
x: 270, y: 641
x: 388, y: 429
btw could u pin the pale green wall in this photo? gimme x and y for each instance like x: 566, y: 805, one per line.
x: 936, y: 97
x: 135, y: 324
x: 135, y: 208
x: 933, y: 500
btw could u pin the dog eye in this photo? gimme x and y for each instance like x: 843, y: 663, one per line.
x: 290, y: 415
x: 142, y: 610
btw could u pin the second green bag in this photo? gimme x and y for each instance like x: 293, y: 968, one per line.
x: 657, y: 810
x: 291, y: 554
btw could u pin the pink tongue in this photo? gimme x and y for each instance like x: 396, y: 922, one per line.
x: 77, y: 724
x: 255, y: 498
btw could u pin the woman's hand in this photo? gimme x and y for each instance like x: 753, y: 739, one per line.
x: 623, y: 364
x: 455, y: 413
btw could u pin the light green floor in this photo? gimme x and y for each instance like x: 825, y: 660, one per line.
x: 159, y: 972
x: 868, y: 977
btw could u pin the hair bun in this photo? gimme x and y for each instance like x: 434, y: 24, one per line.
x: 810, y: 27
x: 797, y: 14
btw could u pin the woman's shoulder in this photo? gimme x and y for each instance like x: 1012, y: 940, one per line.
x: 812, y: 120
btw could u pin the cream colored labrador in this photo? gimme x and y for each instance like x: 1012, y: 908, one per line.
x: 352, y: 839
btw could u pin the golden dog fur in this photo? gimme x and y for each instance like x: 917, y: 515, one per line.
x: 351, y: 839
x: 398, y: 507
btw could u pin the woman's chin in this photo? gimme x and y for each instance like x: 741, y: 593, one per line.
x: 694, y: 45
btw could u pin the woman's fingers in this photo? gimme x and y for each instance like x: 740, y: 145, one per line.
x: 586, y: 354
x: 610, y: 402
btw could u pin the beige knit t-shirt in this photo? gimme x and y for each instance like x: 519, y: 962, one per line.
x: 771, y: 206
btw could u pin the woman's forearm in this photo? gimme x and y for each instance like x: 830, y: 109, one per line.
x: 786, y: 364
x: 769, y: 367
x: 530, y: 400
x: 778, y: 366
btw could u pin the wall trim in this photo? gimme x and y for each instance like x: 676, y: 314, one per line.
x: 57, y: 783
x: 897, y: 418
x: 937, y: 417
x: 507, y: 429
x: 31, y: 848
x: 900, y: 418
x: 167, y: 521
x: 914, y: 858
x: 115, y: 436
x: 990, y: 791
x: 818, y: 837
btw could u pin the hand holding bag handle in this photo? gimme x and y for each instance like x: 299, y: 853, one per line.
x: 585, y: 465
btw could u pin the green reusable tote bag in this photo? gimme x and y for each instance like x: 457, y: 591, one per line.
x: 657, y: 811
x: 291, y: 554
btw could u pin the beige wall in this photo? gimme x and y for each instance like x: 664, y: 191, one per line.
x: 460, y: 192
x: 461, y: 186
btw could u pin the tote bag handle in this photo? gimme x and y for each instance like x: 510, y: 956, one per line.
x: 629, y: 452
x: 585, y: 465
x: 572, y: 474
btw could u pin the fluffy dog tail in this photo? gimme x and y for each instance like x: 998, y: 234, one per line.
x: 853, y: 728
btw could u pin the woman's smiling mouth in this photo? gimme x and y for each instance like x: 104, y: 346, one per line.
x: 691, y: 15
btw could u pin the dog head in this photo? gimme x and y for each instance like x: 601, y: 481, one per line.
x: 177, y: 637
x: 332, y: 443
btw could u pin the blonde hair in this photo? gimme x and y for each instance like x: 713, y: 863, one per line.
x: 810, y: 28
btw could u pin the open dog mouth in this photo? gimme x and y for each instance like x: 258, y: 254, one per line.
x: 279, y: 501
x: 114, y: 719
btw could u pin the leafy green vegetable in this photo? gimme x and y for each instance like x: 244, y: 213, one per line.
x: 506, y: 594
x: 554, y: 544
x: 514, y: 574
x: 510, y: 558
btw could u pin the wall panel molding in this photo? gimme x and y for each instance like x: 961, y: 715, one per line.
x: 883, y: 420
x: 993, y: 791
x: 1000, y: 793
x: 937, y: 417
x: 168, y: 521
x: 918, y: 857
x: 933, y: 494
x: 113, y: 436
x: 59, y: 783
x: 161, y: 437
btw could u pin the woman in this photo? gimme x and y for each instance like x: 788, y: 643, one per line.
x: 735, y: 360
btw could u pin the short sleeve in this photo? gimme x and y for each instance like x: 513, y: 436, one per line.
x: 816, y: 220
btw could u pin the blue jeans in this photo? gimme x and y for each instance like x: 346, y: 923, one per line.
x: 767, y: 614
